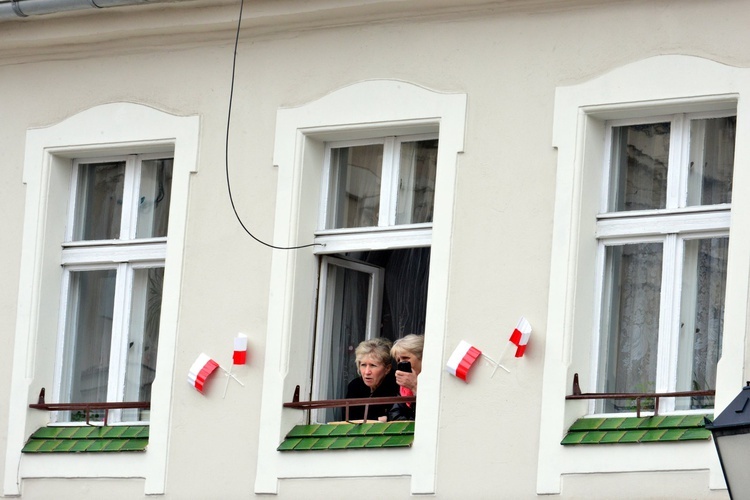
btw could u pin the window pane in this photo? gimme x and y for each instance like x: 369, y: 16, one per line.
x: 153, y: 198
x: 143, y: 339
x: 711, y: 161
x: 640, y: 155
x: 416, y: 186
x: 630, y: 321
x: 355, y: 186
x: 98, y: 205
x: 347, y: 299
x: 701, y: 317
x: 88, y: 338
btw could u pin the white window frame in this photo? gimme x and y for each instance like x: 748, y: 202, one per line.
x: 661, y: 85
x: 670, y: 226
x: 387, y: 235
x: 47, y: 173
x: 88, y: 255
x: 326, y: 302
x: 363, y: 110
x: 388, y: 186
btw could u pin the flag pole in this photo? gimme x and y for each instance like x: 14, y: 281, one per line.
x: 502, y: 355
x: 229, y: 375
x: 496, y: 365
x: 226, y: 386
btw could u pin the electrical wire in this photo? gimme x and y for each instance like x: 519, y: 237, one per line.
x: 226, y: 148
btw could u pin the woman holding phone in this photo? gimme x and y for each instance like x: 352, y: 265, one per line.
x: 407, y: 352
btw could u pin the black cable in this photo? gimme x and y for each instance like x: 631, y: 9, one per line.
x: 226, y: 147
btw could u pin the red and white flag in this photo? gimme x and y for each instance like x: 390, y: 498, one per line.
x: 200, y: 371
x: 461, y: 360
x: 520, y: 336
x: 240, y: 349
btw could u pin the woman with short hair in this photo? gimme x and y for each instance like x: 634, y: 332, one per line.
x: 376, y: 380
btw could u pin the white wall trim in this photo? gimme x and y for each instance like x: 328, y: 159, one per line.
x: 654, y: 86
x: 113, y: 128
x: 365, y: 109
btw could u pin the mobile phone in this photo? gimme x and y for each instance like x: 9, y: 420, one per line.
x: 404, y: 366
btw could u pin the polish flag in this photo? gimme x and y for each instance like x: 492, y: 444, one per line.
x: 240, y: 349
x: 520, y: 336
x: 200, y: 371
x: 461, y: 360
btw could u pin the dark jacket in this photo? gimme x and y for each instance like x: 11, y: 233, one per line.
x: 402, y: 411
x: 388, y: 388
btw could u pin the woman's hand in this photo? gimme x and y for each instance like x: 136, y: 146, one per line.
x: 407, y: 379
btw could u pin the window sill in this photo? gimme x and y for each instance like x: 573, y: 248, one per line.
x: 621, y: 430
x: 62, y: 452
x: 89, y: 439
x: 348, y: 436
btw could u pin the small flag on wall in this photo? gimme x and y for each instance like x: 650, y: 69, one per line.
x: 520, y: 336
x: 240, y: 349
x: 202, y: 368
x: 461, y: 360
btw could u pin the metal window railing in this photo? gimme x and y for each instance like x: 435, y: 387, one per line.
x: 88, y: 407
x: 345, y: 403
x: 637, y: 396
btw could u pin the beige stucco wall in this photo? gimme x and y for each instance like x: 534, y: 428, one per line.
x: 507, y: 60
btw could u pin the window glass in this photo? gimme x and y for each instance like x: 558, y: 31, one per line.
x: 111, y: 328
x: 630, y: 332
x: 351, y: 317
x: 640, y: 157
x: 143, y: 341
x: 154, y: 196
x: 98, y: 205
x: 701, y: 317
x: 416, y: 187
x: 711, y: 161
x: 665, y: 336
x: 355, y: 186
x: 88, y: 339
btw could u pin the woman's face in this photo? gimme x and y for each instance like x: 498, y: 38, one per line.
x: 373, y: 371
x: 416, y: 363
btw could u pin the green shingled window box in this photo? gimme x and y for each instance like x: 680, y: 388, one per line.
x: 347, y: 436
x: 618, y: 430
x: 88, y: 439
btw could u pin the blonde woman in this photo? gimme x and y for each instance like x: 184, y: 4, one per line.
x: 407, y: 353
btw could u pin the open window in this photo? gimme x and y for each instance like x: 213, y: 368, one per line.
x: 348, y: 312
x: 376, y: 285
x: 351, y: 178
